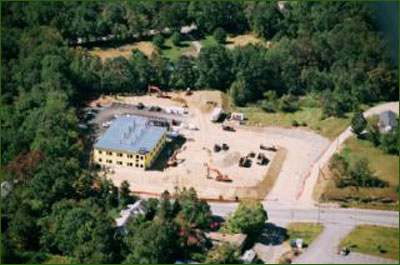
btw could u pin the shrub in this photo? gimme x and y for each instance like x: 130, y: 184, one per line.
x: 158, y: 41
x: 288, y: 103
x: 295, y: 123
x: 220, y: 35
x: 176, y: 38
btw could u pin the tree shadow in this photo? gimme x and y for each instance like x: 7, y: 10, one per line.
x: 273, y: 235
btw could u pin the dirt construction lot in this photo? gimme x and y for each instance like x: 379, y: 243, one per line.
x: 297, y: 151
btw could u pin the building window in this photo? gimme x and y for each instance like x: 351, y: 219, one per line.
x: 137, y: 156
x: 100, y: 160
x: 109, y: 161
x: 100, y: 152
x: 137, y: 165
x: 109, y: 153
x: 129, y: 164
x: 141, y: 157
x: 119, y: 163
x: 119, y: 154
x: 141, y: 166
x: 130, y: 156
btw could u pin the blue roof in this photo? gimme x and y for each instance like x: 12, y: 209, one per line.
x: 131, y: 134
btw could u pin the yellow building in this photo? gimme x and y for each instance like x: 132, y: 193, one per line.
x: 130, y: 141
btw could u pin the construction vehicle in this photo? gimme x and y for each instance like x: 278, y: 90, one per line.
x: 188, y: 92
x: 219, y: 177
x: 225, y: 147
x: 228, y: 128
x: 217, y: 148
x: 173, y: 161
x: 262, y: 159
x: 156, y: 89
x: 268, y: 148
x: 252, y: 155
x: 244, y: 161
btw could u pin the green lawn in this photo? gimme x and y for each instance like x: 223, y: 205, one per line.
x: 56, y: 259
x: 208, y: 41
x: 385, y: 166
x: 311, y: 116
x: 173, y: 52
x: 374, y: 240
x: 307, y: 231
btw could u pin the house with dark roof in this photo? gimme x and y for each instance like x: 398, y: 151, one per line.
x: 130, y: 141
x: 387, y: 121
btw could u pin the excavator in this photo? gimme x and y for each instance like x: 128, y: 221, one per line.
x: 173, y: 161
x: 219, y: 177
x: 160, y: 94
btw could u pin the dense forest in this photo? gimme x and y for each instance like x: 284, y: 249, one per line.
x: 333, y: 50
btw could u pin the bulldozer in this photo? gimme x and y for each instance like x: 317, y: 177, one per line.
x: 262, y: 159
x: 219, y: 177
x: 244, y: 161
x: 160, y: 94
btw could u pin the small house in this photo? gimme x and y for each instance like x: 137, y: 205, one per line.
x: 139, y: 207
x: 387, y: 121
x: 5, y: 189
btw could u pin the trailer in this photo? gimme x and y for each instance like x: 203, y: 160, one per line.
x: 216, y: 114
x: 237, y: 116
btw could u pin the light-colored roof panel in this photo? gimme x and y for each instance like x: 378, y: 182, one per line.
x: 131, y: 134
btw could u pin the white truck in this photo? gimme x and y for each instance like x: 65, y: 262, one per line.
x: 216, y: 114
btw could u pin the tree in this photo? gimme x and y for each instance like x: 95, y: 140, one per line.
x: 192, y: 210
x: 125, y: 196
x: 176, y: 38
x: 264, y: 18
x: 213, y: 64
x: 373, y: 131
x: 158, y: 41
x: 152, y: 243
x: 220, y: 35
x: 358, y: 123
x: 249, y: 218
x: 80, y: 230
x: 223, y: 254
x: 390, y: 141
x: 184, y: 73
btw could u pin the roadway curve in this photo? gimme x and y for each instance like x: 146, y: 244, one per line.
x: 337, y: 222
x: 306, y: 192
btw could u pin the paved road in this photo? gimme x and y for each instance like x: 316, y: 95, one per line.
x: 338, y: 222
x: 323, y: 249
x: 305, y: 194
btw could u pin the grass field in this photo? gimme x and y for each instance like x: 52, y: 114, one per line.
x: 56, y: 259
x: 173, y: 52
x: 385, y: 166
x: 374, y: 240
x: 307, y: 231
x: 125, y: 50
x: 208, y: 41
x: 311, y: 116
x: 243, y: 40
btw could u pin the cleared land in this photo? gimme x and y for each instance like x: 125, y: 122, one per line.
x: 125, y: 50
x: 307, y: 118
x: 243, y: 40
x: 301, y: 147
x: 385, y: 166
x: 173, y: 52
x: 374, y: 240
